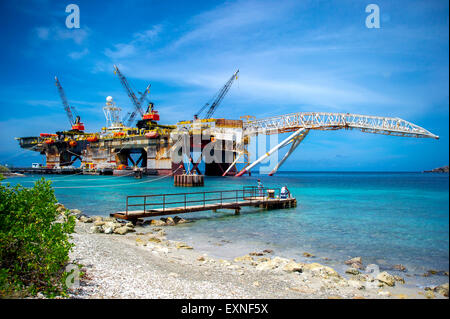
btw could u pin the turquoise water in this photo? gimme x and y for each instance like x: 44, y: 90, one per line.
x: 387, y: 218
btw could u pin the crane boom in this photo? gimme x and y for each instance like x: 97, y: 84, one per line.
x: 66, y: 105
x: 136, y: 102
x: 218, y: 98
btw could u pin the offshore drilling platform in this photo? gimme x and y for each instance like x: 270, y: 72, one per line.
x: 151, y: 148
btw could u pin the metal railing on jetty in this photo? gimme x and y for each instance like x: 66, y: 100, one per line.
x: 141, y: 206
x: 163, y: 202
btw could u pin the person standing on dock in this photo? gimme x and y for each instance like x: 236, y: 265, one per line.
x: 260, y: 188
x: 285, y: 193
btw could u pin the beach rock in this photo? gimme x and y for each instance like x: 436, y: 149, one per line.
x: 99, y: 223
x: 356, y: 284
x: 169, y: 221
x: 130, y: 229
x: 129, y: 224
x: 442, y: 290
x: 201, y: 258
x: 352, y: 271
x: 399, y: 279
x: 386, y: 278
x: 75, y: 212
x: 429, y: 294
x: 157, y: 222
x: 245, y: 258
x: 61, y: 209
x: 154, y: 239
x: 321, y: 271
x: 121, y: 230
x: 355, y: 263
x: 179, y: 220
x: 308, y: 255
x: 96, y: 229
x: 263, y: 259
x: 265, y: 266
x: 400, y: 267
x: 256, y: 284
x: 107, y: 230
x: 293, y: 267
x: 356, y: 266
x: 85, y: 219
x: 181, y: 245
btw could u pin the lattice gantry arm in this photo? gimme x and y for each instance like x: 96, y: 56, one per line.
x: 336, y: 121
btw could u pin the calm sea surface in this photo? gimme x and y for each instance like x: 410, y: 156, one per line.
x: 387, y: 218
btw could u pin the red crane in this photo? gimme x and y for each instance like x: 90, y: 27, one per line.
x: 70, y: 110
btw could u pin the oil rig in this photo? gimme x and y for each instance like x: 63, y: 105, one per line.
x: 139, y: 142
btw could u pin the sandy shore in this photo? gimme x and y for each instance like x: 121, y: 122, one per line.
x: 144, y: 264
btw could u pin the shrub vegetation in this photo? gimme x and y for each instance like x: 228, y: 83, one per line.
x: 34, y: 241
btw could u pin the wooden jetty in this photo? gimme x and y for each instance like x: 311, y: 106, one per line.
x: 143, y: 206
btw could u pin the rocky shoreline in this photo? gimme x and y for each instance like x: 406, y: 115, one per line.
x: 122, y: 260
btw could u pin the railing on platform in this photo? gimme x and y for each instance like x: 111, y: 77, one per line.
x: 162, y: 202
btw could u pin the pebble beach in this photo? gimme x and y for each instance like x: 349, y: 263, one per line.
x: 120, y: 260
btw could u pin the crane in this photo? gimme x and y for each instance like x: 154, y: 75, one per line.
x: 137, y: 103
x: 70, y: 110
x: 217, y: 99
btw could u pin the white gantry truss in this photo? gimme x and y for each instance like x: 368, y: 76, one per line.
x: 300, y: 123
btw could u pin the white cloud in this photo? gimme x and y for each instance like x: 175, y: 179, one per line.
x: 137, y: 43
x: 58, y: 33
x: 79, y: 54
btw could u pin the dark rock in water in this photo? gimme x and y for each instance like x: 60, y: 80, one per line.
x: 256, y: 254
x: 400, y: 267
x: 308, y: 255
x: 355, y: 260
x: 435, y: 272
x: 179, y: 220
x: 267, y: 251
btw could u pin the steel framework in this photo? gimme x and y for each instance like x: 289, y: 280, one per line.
x: 335, y: 121
x: 300, y: 123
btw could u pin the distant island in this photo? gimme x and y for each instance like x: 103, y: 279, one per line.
x: 443, y: 169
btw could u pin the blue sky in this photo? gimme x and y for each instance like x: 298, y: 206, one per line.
x: 292, y: 55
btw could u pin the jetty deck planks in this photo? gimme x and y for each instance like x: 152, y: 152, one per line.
x: 262, y: 202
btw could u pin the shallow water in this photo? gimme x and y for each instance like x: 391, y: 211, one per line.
x: 387, y: 218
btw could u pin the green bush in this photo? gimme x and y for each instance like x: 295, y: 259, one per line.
x: 34, y: 241
x: 4, y: 169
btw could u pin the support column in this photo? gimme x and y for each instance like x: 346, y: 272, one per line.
x: 262, y: 158
x: 295, y: 143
